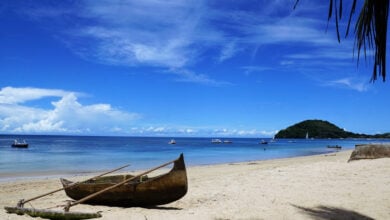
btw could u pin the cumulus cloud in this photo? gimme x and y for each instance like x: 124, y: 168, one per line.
x: 189, y: 131
x: 67, y: 114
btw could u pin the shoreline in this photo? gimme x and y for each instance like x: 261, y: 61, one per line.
x: 38, y: 175
x: 305, y: 187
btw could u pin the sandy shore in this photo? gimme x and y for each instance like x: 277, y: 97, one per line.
x: 313, y: 187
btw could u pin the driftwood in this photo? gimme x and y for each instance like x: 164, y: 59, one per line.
x: 51, y: 214
x: 370, y: 151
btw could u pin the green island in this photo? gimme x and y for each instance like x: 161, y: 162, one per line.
x: 320, y: 129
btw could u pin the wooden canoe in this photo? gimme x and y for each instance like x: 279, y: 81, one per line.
x: 141, y: 192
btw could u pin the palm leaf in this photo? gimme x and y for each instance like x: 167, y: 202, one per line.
x: 370, y: 30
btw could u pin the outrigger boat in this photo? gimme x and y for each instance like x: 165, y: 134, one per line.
x: 140, y: 191
x: 131, y: 191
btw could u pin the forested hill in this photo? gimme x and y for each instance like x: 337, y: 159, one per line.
x: 321, y: 129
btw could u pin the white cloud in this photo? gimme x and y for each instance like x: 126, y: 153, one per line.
x: 349, y: 83
x: 188, y: 131
x: 67, y: 115
x: 189, y: 76
x: 251, y: 69
x: 150, y: 32
x: 10, y: 95
x: 242, y: 133
x: 228, y: 51
x: 175, y: 35
x: 334, y: 53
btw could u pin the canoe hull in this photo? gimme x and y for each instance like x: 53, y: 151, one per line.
x: 142, y: 192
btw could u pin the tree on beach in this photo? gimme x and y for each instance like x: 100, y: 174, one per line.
x: 370, y: 30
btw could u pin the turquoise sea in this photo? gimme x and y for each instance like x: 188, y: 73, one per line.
x: 68, y: 155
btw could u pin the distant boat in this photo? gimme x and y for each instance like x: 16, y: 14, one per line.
x: 172, y: 141
x: 263, y: 142
x: 20, y: 144
x: 227, y: 142
x: 307, y: 135
x: 216, y: 141
x: 334, y: 146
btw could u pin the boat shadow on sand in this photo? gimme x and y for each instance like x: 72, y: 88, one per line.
x: 327, y: 212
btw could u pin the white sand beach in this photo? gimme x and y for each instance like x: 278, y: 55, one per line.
x: 312, y: 187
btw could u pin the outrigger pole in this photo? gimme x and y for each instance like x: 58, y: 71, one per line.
x: 22, y: 202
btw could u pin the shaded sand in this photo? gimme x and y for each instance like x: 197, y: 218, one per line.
x: 313, y: 187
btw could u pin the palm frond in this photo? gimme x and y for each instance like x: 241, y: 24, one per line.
x: 370, y: 30
x: 371, y: 33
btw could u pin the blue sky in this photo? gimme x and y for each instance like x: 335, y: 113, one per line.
x: 180, y: 68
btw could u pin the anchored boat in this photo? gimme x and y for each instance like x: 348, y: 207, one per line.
x: 172, y: 141
x: 20, y: 144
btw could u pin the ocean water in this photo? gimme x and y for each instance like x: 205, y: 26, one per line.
x: 79, y: 154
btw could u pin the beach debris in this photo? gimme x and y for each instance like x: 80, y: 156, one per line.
x: 370, y: 151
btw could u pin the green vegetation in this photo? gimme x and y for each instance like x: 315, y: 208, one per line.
x: 321, y: 129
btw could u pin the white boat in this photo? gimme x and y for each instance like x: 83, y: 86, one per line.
x: 20, y: 144
x: 307, y: 135
x: 216, y: 141
x: 263, y: 142
x: 172, y: 141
